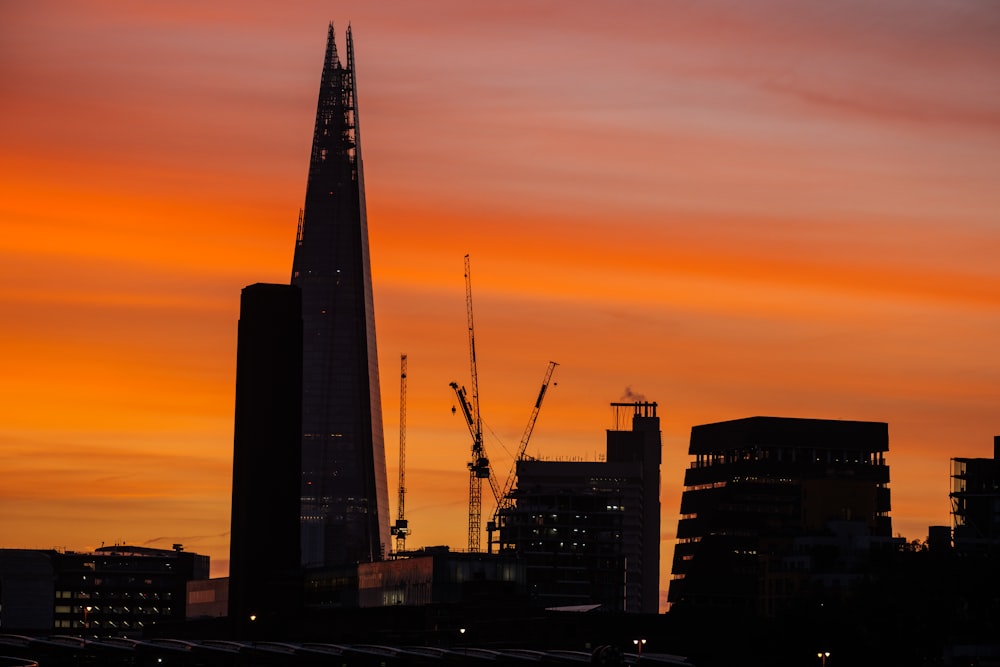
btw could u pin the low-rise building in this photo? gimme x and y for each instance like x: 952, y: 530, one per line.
x: 112, y: 591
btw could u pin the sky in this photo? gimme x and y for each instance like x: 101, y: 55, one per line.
x: 733, y: 209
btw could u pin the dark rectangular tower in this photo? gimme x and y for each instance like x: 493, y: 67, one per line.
x: 264, y: 560
x: 636, y: 439
x: 345, y: 513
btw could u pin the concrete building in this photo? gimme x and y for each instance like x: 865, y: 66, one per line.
x: 775, y: 506
x: 589, y: 531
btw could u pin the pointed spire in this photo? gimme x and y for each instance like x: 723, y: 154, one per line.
x: 345, y: 501
x: 332, y: 59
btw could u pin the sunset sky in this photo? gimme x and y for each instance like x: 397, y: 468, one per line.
x: 775, y: 208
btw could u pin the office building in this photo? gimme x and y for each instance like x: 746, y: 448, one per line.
x: 589, y: 531
x: 112, y: 591
x: 344, y: 494
x: 264, y: 558
x: 774, y: 507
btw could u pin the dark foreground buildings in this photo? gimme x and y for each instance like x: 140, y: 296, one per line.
x: 775, y: 508
x: 118, y: 591
x: 345, y: 500
x: 588, y: 531
x: 975, y: 502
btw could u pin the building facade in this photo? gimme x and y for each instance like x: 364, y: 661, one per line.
x: 112, y: 591
x: 344, y: 493
x: 773, y: 506
x: 438, y: 576
x: 589, y: 531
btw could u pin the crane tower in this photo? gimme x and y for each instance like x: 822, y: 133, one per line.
x: 401, y: 528
x: 479, y: 464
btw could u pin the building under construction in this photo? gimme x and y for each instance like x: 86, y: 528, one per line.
x: 975, y: 502
x: 587, y: 531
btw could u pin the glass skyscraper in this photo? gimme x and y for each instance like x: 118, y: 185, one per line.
x: 344, y: 506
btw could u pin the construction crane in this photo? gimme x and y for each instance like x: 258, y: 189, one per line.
x: 504, y: 500
x: 401, y: 528
x: 479, y: 465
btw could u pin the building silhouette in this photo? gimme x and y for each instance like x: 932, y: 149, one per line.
x: 344, y: 494
x: 117, y: 591
x: 264, y: 558
x: 589, y: 531
x: 778, y: 509
x: 975, y: 502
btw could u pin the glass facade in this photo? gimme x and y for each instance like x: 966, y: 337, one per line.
x: 344, y: 503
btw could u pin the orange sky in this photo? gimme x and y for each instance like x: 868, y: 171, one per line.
x: 787, y: 210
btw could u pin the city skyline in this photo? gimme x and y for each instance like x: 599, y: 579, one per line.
x: 730, y: 211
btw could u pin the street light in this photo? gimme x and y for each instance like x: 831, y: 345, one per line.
x: 639, y: 643
x: 822, y: 657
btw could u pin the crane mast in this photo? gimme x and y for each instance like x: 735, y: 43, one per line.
x: 479, y: 465
x: 401, y: 527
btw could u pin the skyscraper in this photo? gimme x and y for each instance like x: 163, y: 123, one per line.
x: 345, y: 513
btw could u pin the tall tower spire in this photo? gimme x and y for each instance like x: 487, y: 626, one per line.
x: 345, y: 500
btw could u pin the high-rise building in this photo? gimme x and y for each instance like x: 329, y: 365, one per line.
x: 264, y: 558
x: 775, y: 506
x: 344, y: 493
x: 589, y: 531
